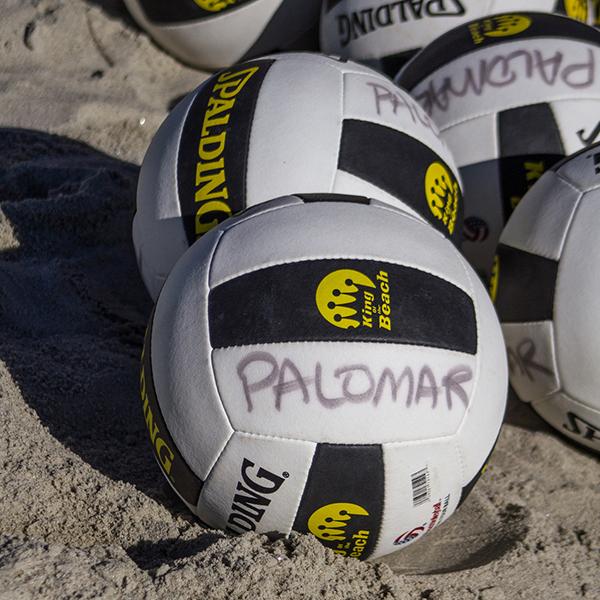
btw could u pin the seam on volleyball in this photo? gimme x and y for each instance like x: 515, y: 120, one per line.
x: 207, y: 325
x: 571, y: 184
x: 340, y: 132
x: 477, y: 356
x: 179, y: 133
x: 390, y: 443
x: 326, y: 256
x: 212, y: 370
x: 490, y: 113
x: 559, y: 271
x: 209, y: 475
x: 568, y: 396
x: 407, y: 210
x: 345, y: 341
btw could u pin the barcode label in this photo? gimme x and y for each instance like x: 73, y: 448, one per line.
x: 420, y: 486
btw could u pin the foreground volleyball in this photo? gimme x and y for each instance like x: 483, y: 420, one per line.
x: 290, y: 123
x: 212, y: 34
x: 548, y: 285
x: 512, y: 95
x: 324, y: 364
x: 385, y: 35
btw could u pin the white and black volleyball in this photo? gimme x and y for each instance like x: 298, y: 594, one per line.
x: 291, y: 123
x: 324, y: 364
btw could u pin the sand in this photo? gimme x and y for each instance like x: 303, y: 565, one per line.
x: 84, y: 511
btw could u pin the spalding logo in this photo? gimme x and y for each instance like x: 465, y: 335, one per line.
x: 442, y: 192
x: 336, y: 292
x: 329, y: 522
x: 499, y: 26
x: 214, y: 5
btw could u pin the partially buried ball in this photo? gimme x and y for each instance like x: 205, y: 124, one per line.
x: 213, y: 34
x: 547, y: 285
x: 279, y: 125
x: 512, y: 95
x: 326, y: 364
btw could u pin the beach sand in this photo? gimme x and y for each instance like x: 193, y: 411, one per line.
x: 84, y: 510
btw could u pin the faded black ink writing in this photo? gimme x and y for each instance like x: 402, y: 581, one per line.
x: 522, y: 359
x: 586, y: 140
x: 503, y: 70
x: 388, y: 98
x: 354, y: 384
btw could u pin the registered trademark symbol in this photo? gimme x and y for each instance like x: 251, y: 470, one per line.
x: 285, y: 474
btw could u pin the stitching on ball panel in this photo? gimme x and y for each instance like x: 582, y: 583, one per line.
x: 572, y: 185
x: 338, y: 257
x: 343, y: 342
x: 340, y: 130
x: 210, y: 350
x: 559, y: 272
x: 212, y: 467
x: 474, y: 298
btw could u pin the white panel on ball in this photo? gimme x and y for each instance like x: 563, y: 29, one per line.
x: 256, y: 484
x: 160, y: 218
x: 476, y: 433
x: 371, y: 393
x: 542, y: 223
x: 301, y: 159
x: 476, y: 137
x: 193, y: 413
x: 422, y: 490
x: 411, y: 238
x: 576, y: 304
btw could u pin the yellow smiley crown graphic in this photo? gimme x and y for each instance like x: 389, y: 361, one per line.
x: 507, y: 25
x: 329, y: 522
x: 442, y: 192
x: 214, y: 5
x: 336, y: 292
x: 577, y: 9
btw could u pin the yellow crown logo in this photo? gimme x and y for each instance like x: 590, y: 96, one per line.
x: 507, y: 25
x: 336, y: 292
x: 214, y: 5
x: 442, y: 192
x: 329, y: 522
x: 577, y: 9
x: 493, y: 286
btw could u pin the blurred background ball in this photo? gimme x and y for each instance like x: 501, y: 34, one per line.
x: 385, y: 35
x: 512, y: 95
x: 547, y: 289
x: 281, y: 125
x: 212, y: 34
x: 330, y: 365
